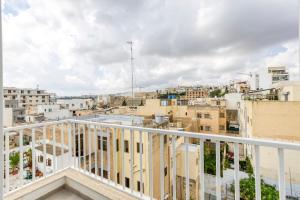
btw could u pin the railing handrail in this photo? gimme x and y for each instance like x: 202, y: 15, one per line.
x: 203, y: 136
x: 36, y: 125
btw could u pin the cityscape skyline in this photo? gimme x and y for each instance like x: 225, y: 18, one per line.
x: 84, y: 44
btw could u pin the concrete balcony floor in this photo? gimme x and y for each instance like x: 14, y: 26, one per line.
x: 64, y: 194
x: 70, y: 184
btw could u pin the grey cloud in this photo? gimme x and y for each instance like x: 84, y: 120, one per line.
x: 174, y: 42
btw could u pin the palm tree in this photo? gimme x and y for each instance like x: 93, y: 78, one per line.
x: 14, y: 159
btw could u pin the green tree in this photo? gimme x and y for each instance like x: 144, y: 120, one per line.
x: 216, y: 93
x: 14, y: 159
x: 249, y: 168
x: 247, y: 190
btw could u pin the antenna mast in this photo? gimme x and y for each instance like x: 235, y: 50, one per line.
x: 131, y: 64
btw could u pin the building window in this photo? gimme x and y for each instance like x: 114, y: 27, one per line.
x: 165, y: 139
x: 139, y: 186
x: 201, y: 128
x: 222, y: 115
x: 207, y: 115
x: 40, y: 159
x: 166, y: 171
x: 207, y: 128
x: 199, y: 115
x: 117, y: 145
x: 138, y: 147
x: 218, y: 103
x: 104, y: 143
x: 126, y: 146
x: 118, y: 178
x: 127, y: 182
x: 105, y: 174
x: 221, y: 127
x: 48, y: 162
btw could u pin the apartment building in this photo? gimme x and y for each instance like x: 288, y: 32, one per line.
x: 53, y: 112
x: 288, y: 90
x: 146, y: 95
x: 208, y: 117
x: 12, y: 113
x: 276, y: 120
x: 265, y: 78
x: 26, y: 97
x: 195, y: 93
x: 75, y: 103
x: 239, y: 87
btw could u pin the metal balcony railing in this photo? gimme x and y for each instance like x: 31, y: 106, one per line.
x: 53, y: 146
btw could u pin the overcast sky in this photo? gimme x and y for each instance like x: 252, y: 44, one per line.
x: 75, y: 47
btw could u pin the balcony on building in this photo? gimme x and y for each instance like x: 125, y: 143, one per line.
x: 102, y: 159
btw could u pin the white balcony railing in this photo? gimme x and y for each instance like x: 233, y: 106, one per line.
x: 53, y: 146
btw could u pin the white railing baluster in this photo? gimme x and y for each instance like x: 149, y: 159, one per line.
x: 162, y: 177
x: 201, y: 169
x: 174, y: 169
x: 108, y: 153
x: 84, y: 148
x: 122, y: 158
x: 33, y: 154
x: 6, y: 161
x: 141, y: 163
x: 69, y: 145
x: 257, y: 173
x: 62, y: 149
x: 150, y: 165
x: 90, y: 149
x: 79, y: 147
x: 218, y: 171
x: 281, y: 179
x: 96, y: 150
x: 74, y: 145
x: 54, y: 147
x: 101, y: 152
x: 131, y: 161
x: 21, y: 143
x: 186, y: 166
x: 236, y: 171
x: 44, y: 151
x: 115, y: 156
